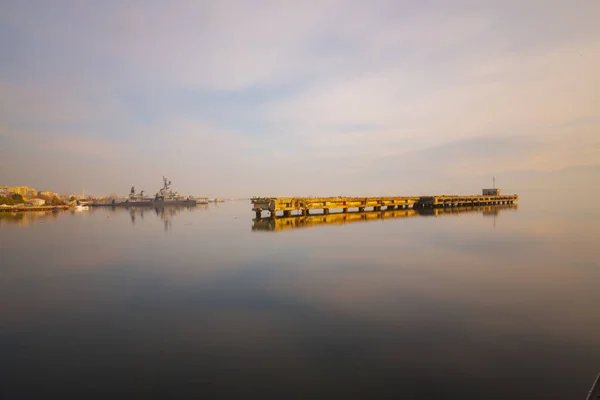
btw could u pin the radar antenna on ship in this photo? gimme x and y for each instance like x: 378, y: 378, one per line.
x: 166, y: 183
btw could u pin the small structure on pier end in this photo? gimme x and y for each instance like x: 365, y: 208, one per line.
x: 490, y: 192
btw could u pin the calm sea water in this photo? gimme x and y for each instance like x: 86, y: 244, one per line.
x: 206, y: 303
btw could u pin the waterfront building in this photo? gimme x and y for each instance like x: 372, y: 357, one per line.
x: 36, y: 202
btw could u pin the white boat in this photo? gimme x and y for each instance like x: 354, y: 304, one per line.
x: 81, y: 208
x: 201, y: 200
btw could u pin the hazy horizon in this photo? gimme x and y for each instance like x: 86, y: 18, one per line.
x: 234, y: 99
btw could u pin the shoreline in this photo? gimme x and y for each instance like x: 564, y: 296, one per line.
x: 39, y: 208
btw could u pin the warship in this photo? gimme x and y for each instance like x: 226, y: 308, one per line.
x: 137, y: 199
x: 164, y: 197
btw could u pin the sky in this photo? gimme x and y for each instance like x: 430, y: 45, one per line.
x: 293, y: 98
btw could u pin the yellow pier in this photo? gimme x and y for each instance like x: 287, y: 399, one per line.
x: 303, y: 205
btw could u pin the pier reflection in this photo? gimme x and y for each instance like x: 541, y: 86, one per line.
x: 301, y: 221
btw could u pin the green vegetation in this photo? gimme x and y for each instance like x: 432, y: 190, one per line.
x: 55, y: 201
x: 12, y: 200
x: 52, y: 201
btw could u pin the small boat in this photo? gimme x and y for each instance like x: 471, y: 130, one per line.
x: 80, y: 206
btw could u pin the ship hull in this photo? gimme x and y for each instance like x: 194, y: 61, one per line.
x: 162, y: 203
x: 158, y: 203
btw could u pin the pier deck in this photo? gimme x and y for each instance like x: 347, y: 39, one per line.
x: 303, y: 205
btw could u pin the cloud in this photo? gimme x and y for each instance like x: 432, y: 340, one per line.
x: 304, y: 97
x: 507, y: 96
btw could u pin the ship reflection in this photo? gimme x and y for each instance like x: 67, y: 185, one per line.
x: 165, y: 213
x: 294, y: 222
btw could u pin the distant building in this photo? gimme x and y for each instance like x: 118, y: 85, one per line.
x: 4, y: 191
x: 22, y: 190
x: 46, y: 194
x: 491, y: 192
x: 31, y: 192
x: 36, y: 202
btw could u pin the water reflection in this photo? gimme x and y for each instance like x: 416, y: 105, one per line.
x: 26, y: 218
x: 294, y: 222
x: 165, y: 213
x: 377, y: 310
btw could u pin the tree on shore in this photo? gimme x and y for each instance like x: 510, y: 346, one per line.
x: 57, y: 202
x: 12, y: 200
x: 52, y: 200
